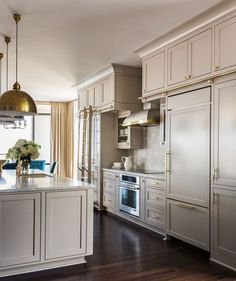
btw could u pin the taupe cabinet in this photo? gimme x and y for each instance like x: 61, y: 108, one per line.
x: 44, y: 229
x: 223, y: 175
x: 188, y: 178
x: 190, y: 59
x: 152, y: 200
x: 224, y: 157
x: 110, y: 190
x: 154, y: 73
x: 128, y: 137
x: 224, y: 226
x: 116, y: 88
x: 225, y: 44
x: 20, y: 229
x: 207, y: 52
x: 65, y: 224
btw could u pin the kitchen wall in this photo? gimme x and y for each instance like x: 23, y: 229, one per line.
x: 151, y: 156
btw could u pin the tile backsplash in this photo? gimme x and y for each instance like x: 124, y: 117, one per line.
x: 151, y: 156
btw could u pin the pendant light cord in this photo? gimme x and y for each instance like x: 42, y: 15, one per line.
x: 17, y: 18
x: 16, y: 51
x: 7, y: 40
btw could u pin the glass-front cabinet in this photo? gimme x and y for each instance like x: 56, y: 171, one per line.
x: 128, y: 137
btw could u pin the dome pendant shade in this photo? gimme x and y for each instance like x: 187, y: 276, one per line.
x: 17, y: 103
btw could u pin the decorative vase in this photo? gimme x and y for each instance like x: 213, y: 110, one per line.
x: 25, y: 162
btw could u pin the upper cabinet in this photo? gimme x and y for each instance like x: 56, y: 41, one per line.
x: 190, y: 58
x: 177, y: 63
x: 116, y: 88
x: 225, y: 45
x: 154, y: 73
x: 107, y: 90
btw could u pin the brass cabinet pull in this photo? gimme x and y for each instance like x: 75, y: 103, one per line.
x: 215, y: 174
x: 167, y: 162
x: 216, y: 67
x: 186, y: 206
x: 154, y: 217
x: 215, y: 197
x: 155, y: 197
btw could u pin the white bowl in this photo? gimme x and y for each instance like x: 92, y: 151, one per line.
x: 118, y: 164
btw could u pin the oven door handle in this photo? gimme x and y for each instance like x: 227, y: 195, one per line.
x: 129, y: 187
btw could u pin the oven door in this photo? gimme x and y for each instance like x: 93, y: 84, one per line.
x: 129, y: 199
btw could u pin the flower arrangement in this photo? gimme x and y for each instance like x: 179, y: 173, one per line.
x: 24, y: 149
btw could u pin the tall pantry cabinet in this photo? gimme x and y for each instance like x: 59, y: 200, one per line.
x: 224, y: 172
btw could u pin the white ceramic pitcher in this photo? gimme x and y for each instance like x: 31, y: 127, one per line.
x: 127, y: 162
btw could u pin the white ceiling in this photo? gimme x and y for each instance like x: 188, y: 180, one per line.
x: 63, y: 41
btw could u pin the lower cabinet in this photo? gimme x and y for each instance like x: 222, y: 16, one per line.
x: 189, y: 223
x: 154, y: 204
x: 65, y: 224
x: 45, y: 229
x: 19, y: 229
x: 110, y: 187
x: 224, y: 226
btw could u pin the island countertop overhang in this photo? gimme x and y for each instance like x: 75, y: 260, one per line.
x: 10, y: 183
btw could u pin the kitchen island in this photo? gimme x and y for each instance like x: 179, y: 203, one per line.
x: 45, y: 222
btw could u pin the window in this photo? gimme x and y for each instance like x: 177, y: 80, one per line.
x: 8, y: 137
x: 38, y: 129
x: 42, y: 131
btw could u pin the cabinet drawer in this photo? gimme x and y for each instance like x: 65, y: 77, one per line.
x: 188, y: 223
x: 108, y: 200
x: 155, y: 183
x: 155, y: 216
x: 155, y: 197
x: 109, y: 175
x: 109, y: 186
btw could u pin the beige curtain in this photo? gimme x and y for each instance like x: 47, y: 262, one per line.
x: 62, y: 145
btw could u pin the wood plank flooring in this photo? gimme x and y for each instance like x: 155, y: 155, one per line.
x: 124, y: 252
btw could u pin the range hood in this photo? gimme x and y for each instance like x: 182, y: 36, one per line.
x: 144, y: 118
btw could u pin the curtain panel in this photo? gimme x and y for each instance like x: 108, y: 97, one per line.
x: 62, y: 144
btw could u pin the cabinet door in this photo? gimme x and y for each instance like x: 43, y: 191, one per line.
x: 65, y: 223
x: 97, y: 94
x: 224, y: 133
x: 20, y: 229
x: 91, y: 96
x: 189, y: 145
x: 177, y: 63
x: 224, y: 227
x: 107, y: 90
x: 225, y: 44
x: 189, y: 223
x: 83, y: 99
x: 199, y: 54
x: 154, y: 73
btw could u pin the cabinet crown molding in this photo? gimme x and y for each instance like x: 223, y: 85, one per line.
x: 206, y: 18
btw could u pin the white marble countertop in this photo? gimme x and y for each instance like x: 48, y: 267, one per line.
x: 157, y: 175
x: 10, y: 183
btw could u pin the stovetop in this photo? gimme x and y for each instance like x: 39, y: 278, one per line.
x: 142, y: 171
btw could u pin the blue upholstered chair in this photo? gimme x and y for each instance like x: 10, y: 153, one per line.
x: 53, y: 167
x: 9, y: 166
x: 38, y: 164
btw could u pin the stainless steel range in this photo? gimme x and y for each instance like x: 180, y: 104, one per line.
x: 129, y: 194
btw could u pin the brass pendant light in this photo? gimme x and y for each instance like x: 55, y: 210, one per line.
x: 10, y: 122
x: 16, y: 102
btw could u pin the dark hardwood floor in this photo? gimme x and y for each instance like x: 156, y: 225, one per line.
x: 123, y: 252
